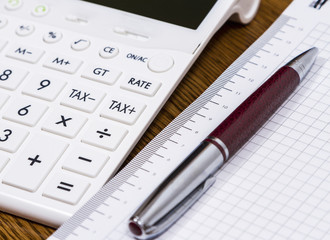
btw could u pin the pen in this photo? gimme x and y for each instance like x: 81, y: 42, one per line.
x: 181, y: 189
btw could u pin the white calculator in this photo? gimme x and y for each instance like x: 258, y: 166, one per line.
x: 80, y: 81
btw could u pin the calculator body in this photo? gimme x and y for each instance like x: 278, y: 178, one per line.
x: 80, y: 83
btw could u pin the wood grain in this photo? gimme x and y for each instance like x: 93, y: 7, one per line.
x: 227, y: 45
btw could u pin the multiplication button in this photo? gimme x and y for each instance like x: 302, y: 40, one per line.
x: 11, y: 137
x: 104, y: 135
x: 63, y: 123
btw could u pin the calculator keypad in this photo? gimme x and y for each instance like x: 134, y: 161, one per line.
x: 72, y: 107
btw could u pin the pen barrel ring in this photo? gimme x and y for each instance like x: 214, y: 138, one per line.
x: 240, y: 126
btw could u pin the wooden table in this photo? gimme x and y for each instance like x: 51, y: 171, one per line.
x: 227, y: 45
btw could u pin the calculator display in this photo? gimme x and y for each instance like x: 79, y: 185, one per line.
x: 186, y: 13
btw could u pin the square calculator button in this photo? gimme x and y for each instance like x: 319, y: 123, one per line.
x: 82, y: 98
x: 104, y: 135
x: 85, y: 161
x: 101, y: 74
x: 66, y: 188
x: 25, y: 53
x: 11, y: 137
x: 123, y: 109
x: 64, y: 123
x: 3, y: 99
x: 36, y: 161
x: 3, y: 161
x: 25, y: 112
x: 46, y: 88
x: 141, y: 85
x: 11, y: 77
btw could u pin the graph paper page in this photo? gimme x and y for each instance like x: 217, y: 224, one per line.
x: 277, y: 185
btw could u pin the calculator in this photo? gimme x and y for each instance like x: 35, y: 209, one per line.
x: 80, y: 82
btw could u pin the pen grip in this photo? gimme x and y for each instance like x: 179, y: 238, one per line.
x: 241, y: 124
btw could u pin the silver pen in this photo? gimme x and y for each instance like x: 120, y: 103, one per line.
x: 178, y: 192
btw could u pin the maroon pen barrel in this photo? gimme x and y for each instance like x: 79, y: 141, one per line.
x: 240, y: 125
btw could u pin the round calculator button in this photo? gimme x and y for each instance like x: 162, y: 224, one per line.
x: 40, y: 10
x: 160, y: 63
x: 13, y: 4
x: 109, y: 52
x: 80, y: 44
x: 3, y: 21
x: 52, y: 37
x: 24, y: 29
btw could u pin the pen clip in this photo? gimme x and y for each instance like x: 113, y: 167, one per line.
x: 171, y: 217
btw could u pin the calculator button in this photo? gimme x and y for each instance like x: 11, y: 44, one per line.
x: 11, y: 137
x: 109, y: 52
x: 85, y: 161
x: 3, y: 99
x: 24, y: 30
x: 3, y: 21
x: 52, y: 37
x: 25, y: 53
x: 44, y: 87
x: 123, y: 110
x: 80, y: 44
x: 62, y: 63
x: 2, y: 43
x: 101, y: 74
x: 34, y: 164
x: 140, y: 85
x: 11, y: 77
x: 83, y: 98
x: 13, y: 4
x: 104, y: 135
x: 64, y: 123
x: 25, y: 112
x: 66, y: 188
x: 3, y: 161
x: 40, y: 10
x: 160, y: 63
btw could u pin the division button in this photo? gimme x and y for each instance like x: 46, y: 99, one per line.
x: 104, y: 135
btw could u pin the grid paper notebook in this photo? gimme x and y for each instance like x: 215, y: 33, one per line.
x: 277, y: 185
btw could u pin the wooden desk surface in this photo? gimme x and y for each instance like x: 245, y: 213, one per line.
x: 227, y: 45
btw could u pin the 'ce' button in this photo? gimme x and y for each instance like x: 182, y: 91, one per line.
x: 40, y: 10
